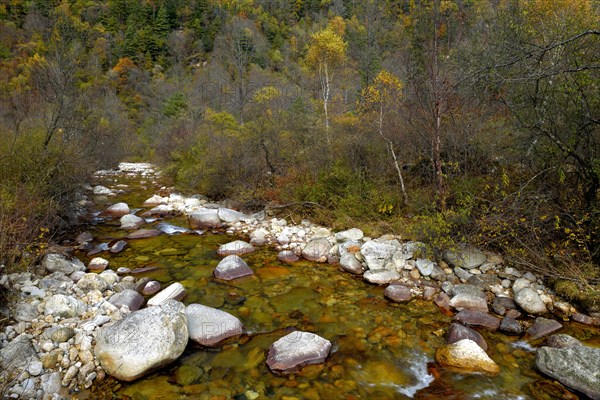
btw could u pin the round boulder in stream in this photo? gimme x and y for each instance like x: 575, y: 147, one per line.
x: 117, y: 210
x: 297, y: 349
x: 232, y: 267
x: 143, y: 341
x: 208, y: 326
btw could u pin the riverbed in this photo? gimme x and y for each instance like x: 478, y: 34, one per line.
x: 381, y: 349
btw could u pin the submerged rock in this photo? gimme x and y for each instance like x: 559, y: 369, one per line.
x: 296, y: 350
x: 143, y: 341
x: 575, y: 367
x: 208, y: 326
x: 467, y: 356
x: 232, y: 267
x: 118, y: 246
x: 144, y: 233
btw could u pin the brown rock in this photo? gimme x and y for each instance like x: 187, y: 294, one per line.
x: 478, y: 318
x: 443, y: 302
x: 582, y: 319
x: 398, y: 293
x: 542, y: 327
x: 458, y: 332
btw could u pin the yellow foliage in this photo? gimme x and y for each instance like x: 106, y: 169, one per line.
x: 326, y: 48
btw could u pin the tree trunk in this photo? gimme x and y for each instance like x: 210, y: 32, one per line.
x: 393, y: 152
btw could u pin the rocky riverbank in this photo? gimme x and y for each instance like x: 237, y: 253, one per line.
x: 76, y: 323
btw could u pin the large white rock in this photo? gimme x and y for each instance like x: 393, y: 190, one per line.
x: 98, y: 264
x: 155, y: 200
x: 317, y: 250
x: 143, y: 341
x: 381, y: 276
x: 530, y: 301
x: 350, y: 263
x: 237, y: 247
x: 117, y: 210
x: 232, y: 267
x: 206, y: 218
x: 378, y: 253
x: 296, y: 350
x: 174, y: 291
x: 209, y: 326
x: 58, y: 263
x: 131, y: 221
x: 229, y: 215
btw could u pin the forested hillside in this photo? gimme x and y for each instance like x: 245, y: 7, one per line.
x: 442, y: 120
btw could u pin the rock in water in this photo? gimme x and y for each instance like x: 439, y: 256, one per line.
x: 131, y: 221
x: 98, y: 264
x: 296, y: 350
x: 232, y: 267
x: 237, y: 247
x: 477, y: 318
x: 144, y: 233
x: 530, y: 301
x: 174, y: 291
x: 458, y: 332
x: 398, y: 293
x: 287, y: 256
x: 575, y: 367
x: 209, y: 326
x: 467, y: 356
x: 117, y: 210
x: 543, y: 327
x: 317, y: 250
x: 463, y: 301
x: 143, y: 341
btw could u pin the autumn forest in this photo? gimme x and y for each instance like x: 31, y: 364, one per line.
x: 445, y: 121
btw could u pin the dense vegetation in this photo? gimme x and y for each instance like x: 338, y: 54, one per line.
x: 442, y: 120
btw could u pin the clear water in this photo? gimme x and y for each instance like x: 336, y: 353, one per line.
x: 381, y: 350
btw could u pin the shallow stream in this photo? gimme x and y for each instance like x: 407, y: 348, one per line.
x: 381, y: 350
